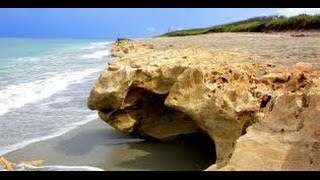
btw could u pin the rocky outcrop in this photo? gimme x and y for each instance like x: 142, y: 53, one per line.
x: 6, y: 165
x: 260, y: 116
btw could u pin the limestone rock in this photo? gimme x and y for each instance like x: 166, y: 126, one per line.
x: 260, y: 116
x: 7, y: 165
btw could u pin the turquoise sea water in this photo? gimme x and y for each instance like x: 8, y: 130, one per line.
x: 44, y: 84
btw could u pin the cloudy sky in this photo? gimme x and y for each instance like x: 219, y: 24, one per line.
x: 122, y: 22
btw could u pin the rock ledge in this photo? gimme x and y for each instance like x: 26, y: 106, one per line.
x: 260, y: 116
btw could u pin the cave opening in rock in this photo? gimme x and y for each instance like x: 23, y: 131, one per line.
x: 158, y: 123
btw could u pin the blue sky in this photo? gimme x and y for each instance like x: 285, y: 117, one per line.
x: 121, y: 22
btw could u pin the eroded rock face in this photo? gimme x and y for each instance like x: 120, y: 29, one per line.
x: 260, y: 116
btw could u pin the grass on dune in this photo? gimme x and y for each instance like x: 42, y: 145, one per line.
x: 257, y: 24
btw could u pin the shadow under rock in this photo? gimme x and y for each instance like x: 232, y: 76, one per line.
x: 191, y: 153
x: 85, y: 141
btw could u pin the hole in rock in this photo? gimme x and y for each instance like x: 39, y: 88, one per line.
x: 172, y: 138
x: 265, y: 101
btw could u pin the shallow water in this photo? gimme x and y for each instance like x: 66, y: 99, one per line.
x: 44, y: 84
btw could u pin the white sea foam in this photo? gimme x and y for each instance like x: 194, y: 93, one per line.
x: 16, y: 96
x: 60, y: 132
x: 101, y: 43
x: 96, y: 55
x: 25, y: 167
x: 101, y: 50
x: 97, y: 45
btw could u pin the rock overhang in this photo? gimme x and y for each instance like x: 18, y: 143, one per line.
x: 163, y: 93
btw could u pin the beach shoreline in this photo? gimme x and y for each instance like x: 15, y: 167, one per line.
x: 97, y: 145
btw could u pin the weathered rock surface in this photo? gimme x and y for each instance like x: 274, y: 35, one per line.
x: 260, y: 116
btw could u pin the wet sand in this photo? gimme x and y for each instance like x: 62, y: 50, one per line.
x: 97, y: 144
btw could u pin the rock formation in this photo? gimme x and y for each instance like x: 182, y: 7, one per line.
x: 6, y: 165
x: 260, y: 116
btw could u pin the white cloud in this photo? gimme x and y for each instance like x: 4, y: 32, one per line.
x: 151, y: 29
x: 297, y: 11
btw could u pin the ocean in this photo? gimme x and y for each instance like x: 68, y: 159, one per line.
x: 44, y: 85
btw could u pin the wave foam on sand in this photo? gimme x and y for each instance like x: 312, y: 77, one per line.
x: 25, y: 167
